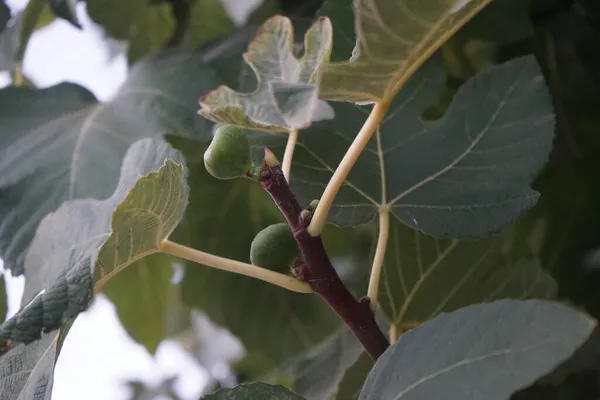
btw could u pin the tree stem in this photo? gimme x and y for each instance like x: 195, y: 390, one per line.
x: 288, y: 155
x: 238, y: 267
x: 382, y: 240
x: 343, y: 169
x: 316, y: 269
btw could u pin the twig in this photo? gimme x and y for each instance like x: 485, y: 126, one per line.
x: 316, y: 269
x: 382, y: 240
x: 226, y: 264
x: 288, y: 155
x: 339, y: 176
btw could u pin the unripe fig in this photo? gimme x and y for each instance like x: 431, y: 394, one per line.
x: 274, y: 247
x: 228, y: 155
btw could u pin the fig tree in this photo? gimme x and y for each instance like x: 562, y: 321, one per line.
x: 274, y: 247
x: 228, y: 155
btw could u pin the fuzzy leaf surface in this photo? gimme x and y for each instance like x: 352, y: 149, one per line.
x: 60, y: 143
x: 286, y: 96
x: 497, y: 347
x: 393, y: 39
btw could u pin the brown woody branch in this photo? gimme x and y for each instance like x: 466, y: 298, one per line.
x: 316, y: 268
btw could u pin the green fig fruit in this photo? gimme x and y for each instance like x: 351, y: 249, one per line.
x: 228, y: 155
x: 274, y: 247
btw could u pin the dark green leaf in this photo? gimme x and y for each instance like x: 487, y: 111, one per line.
x: 60, y: 143
x: 142, y: 294
x: 501, y: 22
x: 4, y: 15
x: 342, y: 20
x: 254, y: 391
x: 208, y: 20
x: 465, y: 175
x: 351, y: 385
x: 394, y: 38
x: 317, y: 373
x: 65, y: 9
x: 424, y: 276
x: 484, y: 351
x: 223, y: 218
x: 147, y: 27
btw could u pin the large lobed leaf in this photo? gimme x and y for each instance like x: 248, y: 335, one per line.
x: 287, y: 93
x: 393, y: 39
x: 465, y: 175
x: 84, y: 243
x: 484, y: 351
x: 60, y: 143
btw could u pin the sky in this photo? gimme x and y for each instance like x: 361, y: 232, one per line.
x: 98, y: 356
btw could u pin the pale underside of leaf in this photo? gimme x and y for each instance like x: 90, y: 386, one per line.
x: 424, y: 276
x: 26, y: 372
x: 149, y: 200
x: 61, y: 144
x: 287, y: 94
x: 394, y: 38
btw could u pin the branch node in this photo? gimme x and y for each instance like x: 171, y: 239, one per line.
x: 316, y: 268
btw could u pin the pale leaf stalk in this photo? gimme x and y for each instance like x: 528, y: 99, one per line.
x: 393, y: 333
x: 238, y: 267
x: 288, y: 155
x: 376, y: 269
x: 341, y: 173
